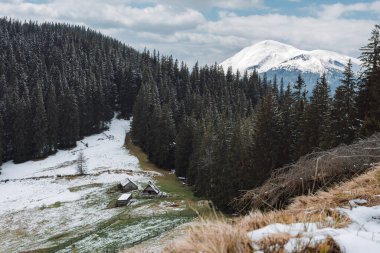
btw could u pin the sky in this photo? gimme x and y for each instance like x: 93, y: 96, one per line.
x: 211, y: 31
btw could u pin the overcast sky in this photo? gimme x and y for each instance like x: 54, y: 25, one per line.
x: 210, y: 31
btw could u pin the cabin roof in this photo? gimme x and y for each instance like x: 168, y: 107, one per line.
x: 124, y: 196
x: 153, y: 186
x: 126, y: 182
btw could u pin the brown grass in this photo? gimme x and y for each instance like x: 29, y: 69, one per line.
x: 228, y: 236
x: 213, y: 237
x: 312, y: 173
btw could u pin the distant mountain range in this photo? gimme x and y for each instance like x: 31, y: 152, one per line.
x: 276, y: 58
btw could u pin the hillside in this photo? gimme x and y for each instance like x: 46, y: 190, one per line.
x: 287, y: 62
x: 343, y: 218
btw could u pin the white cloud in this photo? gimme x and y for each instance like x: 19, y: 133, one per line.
x: 100, y: 14
x: 180, y: 28
x: 205, y: 4
x: 331, y: 11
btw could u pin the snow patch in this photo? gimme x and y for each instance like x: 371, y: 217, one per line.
x: 363, y: 234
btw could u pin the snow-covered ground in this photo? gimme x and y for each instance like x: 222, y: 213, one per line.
x: 362, y: 235
x: 39, y: 206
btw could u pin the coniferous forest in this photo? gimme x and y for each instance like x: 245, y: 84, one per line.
x: 224, y: 132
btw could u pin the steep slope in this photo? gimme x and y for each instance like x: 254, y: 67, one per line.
x: 285, y: 61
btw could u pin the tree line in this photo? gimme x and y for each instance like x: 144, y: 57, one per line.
x: 59, y: 83
x: 226, y: 132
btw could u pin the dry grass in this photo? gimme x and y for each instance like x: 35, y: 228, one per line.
x: 312, y: 173
x: 231, y: 236
x: 213, y: 237
x: 277, y: 242
x: 366, y: 186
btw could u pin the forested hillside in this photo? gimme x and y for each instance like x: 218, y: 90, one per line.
x: 59, y: 83
x: 224, y: 132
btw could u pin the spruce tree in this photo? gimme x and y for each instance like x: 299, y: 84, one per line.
x: 344, y: 115
x: 267, y: 133
x: 298, y: 116
x: 286, y: 130
x: 318, y: 117
x: 184, y: 147
x: 52, y: 118
x: 1, y: 133
x: 20, y: 133
x: 39, y: 124
x: 369, y: 92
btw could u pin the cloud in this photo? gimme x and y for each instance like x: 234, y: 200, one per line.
x: 181, y: 28
x: 332, y: 11
x: 202, y: 4
x: 102, y: 15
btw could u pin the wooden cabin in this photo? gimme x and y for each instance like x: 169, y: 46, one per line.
x: 124, y: 199
x: 127, y: 185
x: 151, y: 189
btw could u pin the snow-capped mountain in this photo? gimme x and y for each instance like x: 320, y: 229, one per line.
x: 275, y: 58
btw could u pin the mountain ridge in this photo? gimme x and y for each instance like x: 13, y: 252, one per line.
x: 285, y: 61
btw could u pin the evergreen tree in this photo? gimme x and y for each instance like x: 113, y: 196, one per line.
x: 369, y: 92
x: 298, y: 117
x: 52, y: 119
x: 184, y: 147
x: 317, y: 126
x: 1, y: 134
x: 20, y: 134
x: 286, y: 138
x: 267, y: 133
x: 39, y: 124
x: 344, y: 109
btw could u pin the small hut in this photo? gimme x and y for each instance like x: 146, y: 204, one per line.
x: 151, y: 189
x: 127, y: 185
x: 124, y: 199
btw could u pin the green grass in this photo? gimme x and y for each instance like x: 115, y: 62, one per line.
x: 167, y: 182
x: 55, y: 205
x: 83, y: 187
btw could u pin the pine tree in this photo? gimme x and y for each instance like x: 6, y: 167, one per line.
x: 369, y: 92
x: 1, y: 133
x: 298, y: 117
x: 20, y: 134
x: 286, y: 130
x: 39, y: 124
x: 344, y: 109
x: 68, y: 120
x: 52, y: 119
x: 184, y: 147
x: 318, y: 119
x: 267, y: 133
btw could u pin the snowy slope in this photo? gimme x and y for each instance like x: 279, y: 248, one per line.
x: 275, y: 58
x: 39, y: 203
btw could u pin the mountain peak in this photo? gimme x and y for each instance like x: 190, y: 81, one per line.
x: 270, y: 54
x: 271, y: 43
x: 273, y: 57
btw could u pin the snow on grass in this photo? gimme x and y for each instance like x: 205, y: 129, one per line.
x: 362, y: 234
x: 103, y: 152
x: 41, y: 208
x: 126, y: 234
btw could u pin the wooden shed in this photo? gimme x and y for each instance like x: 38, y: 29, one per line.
x: 151, y: 189
x: 127, y: 185
x: 124, y: 199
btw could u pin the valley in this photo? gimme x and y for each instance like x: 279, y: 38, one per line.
x: 46, y: 207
